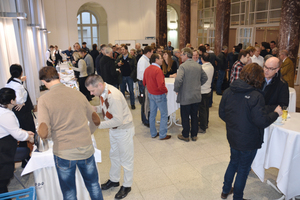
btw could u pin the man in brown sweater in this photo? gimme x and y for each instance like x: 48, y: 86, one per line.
x: 63, y: 114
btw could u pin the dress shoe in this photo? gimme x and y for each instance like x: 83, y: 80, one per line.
x: 194, y: 138
x: 123, y: 192
x: 156, y: 135
x: 219, y: 94
x: 201, y: 131
x: 148, y: 125
x: 109, y: 184
x: 180, y: 137
x: 224, y: 196
x: 166, y: 138
x: 132, y: 107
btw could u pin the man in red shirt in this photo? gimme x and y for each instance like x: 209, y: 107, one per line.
x: 154, y: 79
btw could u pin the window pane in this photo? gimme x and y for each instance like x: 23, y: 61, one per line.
x: 262, y: 5
x: 261, y: 18
x: 79, y: 33
x: 95, y: 32
x: 95, y: 40
x: 86, y: 18
x: 275, y: 16
x: 94, y: 21
x: 206, y: 3
x: 252, y: 6
x: 78, y: 19
x: 243, y: 7
x: 207, y: 13
x: 235, y: 8
x: 86, y: 32
x: 234, y: 20
x: 274, y: 4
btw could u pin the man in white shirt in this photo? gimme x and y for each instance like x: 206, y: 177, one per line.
x: 205, y: 92
x: 119, y: 120
x: 208, y: 50
x: 141, y: 66
x: 256, y: 58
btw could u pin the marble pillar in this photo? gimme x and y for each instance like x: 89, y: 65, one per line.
x: 289, y: 28
x: 222, y: 25
x: 185, y: 23
x: 161, y: 23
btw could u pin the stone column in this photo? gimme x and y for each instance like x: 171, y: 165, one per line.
x: 222, y: 25
x: 289, y: 28
x: 161, y: 23
x: 185, y: 23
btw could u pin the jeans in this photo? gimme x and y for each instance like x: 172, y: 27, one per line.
x: 160, y: 102
x: 240, y: 163
x: 185, y: 112
x: 129, y: 81
x: 142, y: 91
x: 204, y: 111
x: 221, y: 75
x: 66, y: 176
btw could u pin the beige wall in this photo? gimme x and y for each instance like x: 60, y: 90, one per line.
x: 126, y: 20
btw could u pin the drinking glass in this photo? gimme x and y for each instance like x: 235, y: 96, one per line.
x: 284, y: 112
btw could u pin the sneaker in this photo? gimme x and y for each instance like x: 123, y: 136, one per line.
x: 180, y: 137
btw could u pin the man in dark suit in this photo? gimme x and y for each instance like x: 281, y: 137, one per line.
x: 97, y: 61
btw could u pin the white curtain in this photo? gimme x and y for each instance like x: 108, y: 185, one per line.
x: 23, y: 44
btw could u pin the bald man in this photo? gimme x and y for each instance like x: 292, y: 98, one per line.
x: 276, y: 90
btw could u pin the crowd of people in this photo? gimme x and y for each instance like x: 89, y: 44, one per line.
x: 255, y: 82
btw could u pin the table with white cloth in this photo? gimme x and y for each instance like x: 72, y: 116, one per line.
x: 67, y: 76
x: 171, y: 100
x: 281, y: 149
x: 45, y: 176
x: 292, y: 100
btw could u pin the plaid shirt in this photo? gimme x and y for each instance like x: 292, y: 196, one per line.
x: 236, y: 70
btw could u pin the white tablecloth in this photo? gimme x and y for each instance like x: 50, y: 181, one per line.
x: 45, y: 176
x: 67, y: 76
x: 292, y: 101
x: 171, y: 96
x: 281, y: 149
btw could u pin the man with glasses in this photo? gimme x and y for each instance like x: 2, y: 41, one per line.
x: 276, y: 90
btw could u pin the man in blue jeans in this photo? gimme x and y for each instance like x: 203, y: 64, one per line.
x: 72, y: 144
x: 154, y: 80
x: 127, y: 65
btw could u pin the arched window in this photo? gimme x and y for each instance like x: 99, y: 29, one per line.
x: 87, y: 26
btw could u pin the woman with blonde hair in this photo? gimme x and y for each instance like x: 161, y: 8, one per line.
x: 169, y: 67
x: 80, y: 66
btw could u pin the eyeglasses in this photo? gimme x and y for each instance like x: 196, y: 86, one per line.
x: 268, y: 68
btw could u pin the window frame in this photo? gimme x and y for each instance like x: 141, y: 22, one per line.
x: 90, y: 25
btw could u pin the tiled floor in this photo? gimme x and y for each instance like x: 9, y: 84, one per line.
x: 174, y: 169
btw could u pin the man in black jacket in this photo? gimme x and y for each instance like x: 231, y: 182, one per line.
x: 127, y: 65
x: 97, y: 61
x: 276, y: 90
x: 244, y: 101
x: 108, y: 70
x: 222, y: 66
